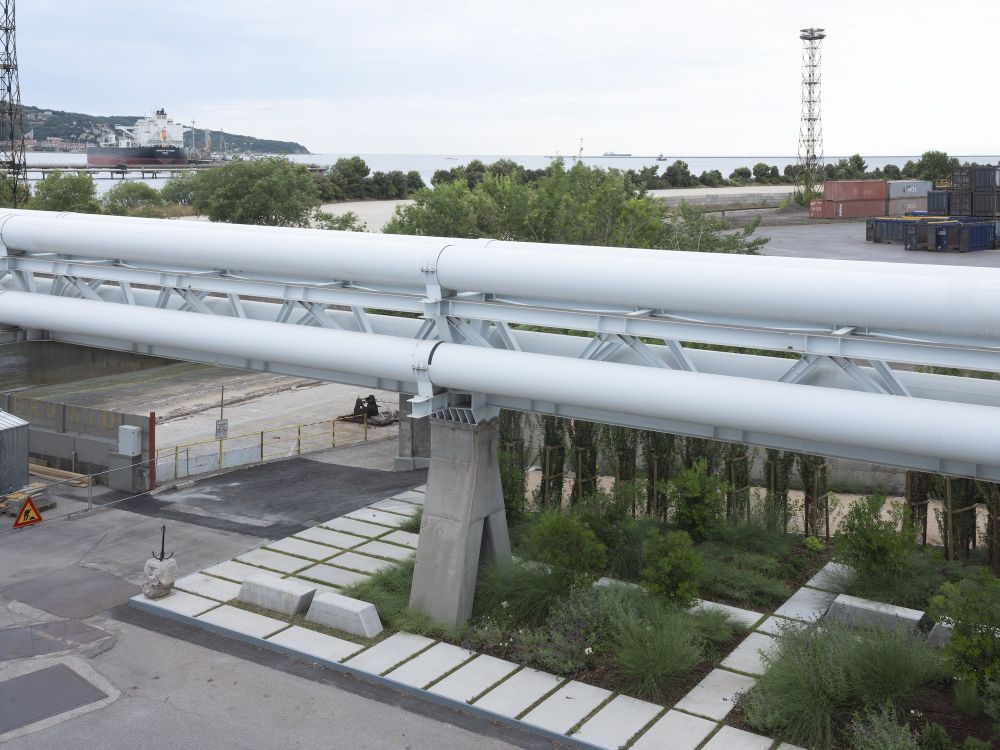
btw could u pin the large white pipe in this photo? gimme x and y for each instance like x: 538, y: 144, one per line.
x: 943, y: 430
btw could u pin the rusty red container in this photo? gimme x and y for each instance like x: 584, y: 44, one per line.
x: 855, y: 190
x: 853, y: 209
x: 816, y: 208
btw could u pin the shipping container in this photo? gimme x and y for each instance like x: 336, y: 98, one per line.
x: 938, y: 203
x: 816, y: 208
x: 985, y: 179
x: 985, y: 204
x: 13, y: 453
x: 855, y: 190
x: 950, y: 236
x: 960, y: 203
x: 961, y: 179
x: 903, y: 206
x: 853, y: 209
x: 909, y: 188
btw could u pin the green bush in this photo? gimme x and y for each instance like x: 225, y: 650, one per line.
x: 700, y: 500
x: 971, y: 743
x: 714, y: 627
x: 967, y: 697
x: 881, y: 730
x: 935, y: 737
x: 652, y: 649
x: 991, y: 703
x: 520, y: 594
x: 813, y: 544
x: 564, y: 542
x: 877, y: 549
x: 817, y: 679
x: 972, y: 608
x: 744, y: 578
x: 127, y: 196
x: 671, y: 566
x: 923, y: 576
x: 625, y: 560
x: 66, y: 192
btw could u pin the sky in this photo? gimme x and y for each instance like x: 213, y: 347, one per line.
x: 702, y: 77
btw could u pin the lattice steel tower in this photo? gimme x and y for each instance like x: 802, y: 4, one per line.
x: 13, y: 168
x: 811, y: 126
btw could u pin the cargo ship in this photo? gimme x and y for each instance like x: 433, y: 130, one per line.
x: 155, y: 140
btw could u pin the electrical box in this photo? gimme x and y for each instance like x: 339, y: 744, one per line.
x: 130, y: 440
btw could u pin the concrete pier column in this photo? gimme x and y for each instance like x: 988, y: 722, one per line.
x: 414, y: 438
x: 464, y: 521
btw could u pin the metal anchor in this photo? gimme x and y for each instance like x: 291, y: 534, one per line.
x: 163, y: 540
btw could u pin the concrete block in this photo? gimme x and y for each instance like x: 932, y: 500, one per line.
x: 208, y: 586
x: 328, y: 574
x: 513, y: 696
x: 343, y: 613
x: 356, y: 527
x: 940, y: 635
x: 715, y: 696
x: 778, y: 625
x: 286, y: 595
x: 232, y: 571
x: 361, y: 563
x: 318, y: 645
x: 807, y: 605
x: 729, y: 738
x: 380, y: 517
x: 330, y: 538
x: 389, y: 551
x: 749, y: 655
x: 745, y: 617
x: 158, y: 577
x: 404, y: 538
x: 180, y: 602
x: 615, y: 724
x: 396, y: 506
x: 473, y: 678
x: 831, y: 577
x: 386, y: 654
x: 273, y: 560
x: 241, y: 621
x: 302, y: 548
x: 562, y: 710
x: 436, y: 661
x: 677, y: 731
x: 863, y: 613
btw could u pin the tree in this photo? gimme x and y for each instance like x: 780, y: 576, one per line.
x: 857, y: 166
x: 891, y: 172
x: 66, y: 192
x: 679, y: 175
x: 761, y: 173
x: 712, y: 178
x: 741, y: 175
x: 128, y: 196
x: 691, y: 229
x: 179, y: 189
x: 345, y: 222
x: 270, y: 191
x: 934, y: 165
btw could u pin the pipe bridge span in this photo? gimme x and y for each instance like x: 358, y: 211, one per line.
x: 819, y: 356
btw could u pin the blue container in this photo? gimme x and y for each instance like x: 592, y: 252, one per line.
x: 985, y: 179
x: 937, y: 202
x: 978, y: 236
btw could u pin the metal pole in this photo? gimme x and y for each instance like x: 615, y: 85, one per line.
x: 262, y: 446
x: 949, y: 549
x: 177, y: 452
x: 366, y: 427
x: 298, y: 440
x: 333, y: 431
x: 90, y: 492
x: 222, y: 402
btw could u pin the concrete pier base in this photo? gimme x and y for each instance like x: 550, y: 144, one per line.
x: 414, y: 438
x: 464, y: 521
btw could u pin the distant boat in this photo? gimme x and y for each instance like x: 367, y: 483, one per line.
x: 614, y: 153
x: 661, y: 157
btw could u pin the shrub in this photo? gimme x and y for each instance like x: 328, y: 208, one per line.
x: 700, y: 500
x: 564, y: 542
x: 967, y: 697
x: 625, y: 560
x: 518, y: 594
x: 935, y: 737
x: 819, y: 678
x: 991, y: 703
x: 744, y: 578
x: 972, y: 608
x: 672, y: 566
x: 971, y: 743
x: 880, y: 730
x: 126, y: 197
x: 813, y: 544
x: 653, y: 648
x: 714, y: 627
x: 877, y: 549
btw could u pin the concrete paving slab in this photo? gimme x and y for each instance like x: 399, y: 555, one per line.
x: 390, y: 551
x: 778, y: 625
x: 380, y: 517
x: 807, y: 605
x: 831, y: 577
x: 473, y: 678
x: 396, y: 506
x: 356, y: 527
x: 513, y: 696
x: 179, y: 602
x: 746, y: 617
x: 361, y: 563
x: 749, y: 655
x: 301, y: 548
x: 330, y: 538
x: 411, y: 496
x: 715, y: 696
x: 208, y: 586
x: 290, y: 596
x: 241, y: 621
x: 405, y: 538
x: 320, y: 645
x: 273, y: 561
x: 345, y: 613
x: 337, y: 577
x: 787, y: 746
x: 420, y: 488
x: 386, y: 654
x: 729, y: 738
x: 615, y: 724
x: 677, y: 731
x: 436, y: 661
x: 562, y: 710
x: 232, y: 570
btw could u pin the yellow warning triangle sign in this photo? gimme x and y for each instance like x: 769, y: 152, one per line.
x: 29, y: 514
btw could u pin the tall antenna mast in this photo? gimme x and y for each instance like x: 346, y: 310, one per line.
x: 13, y: 168
x: 811, y: 126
